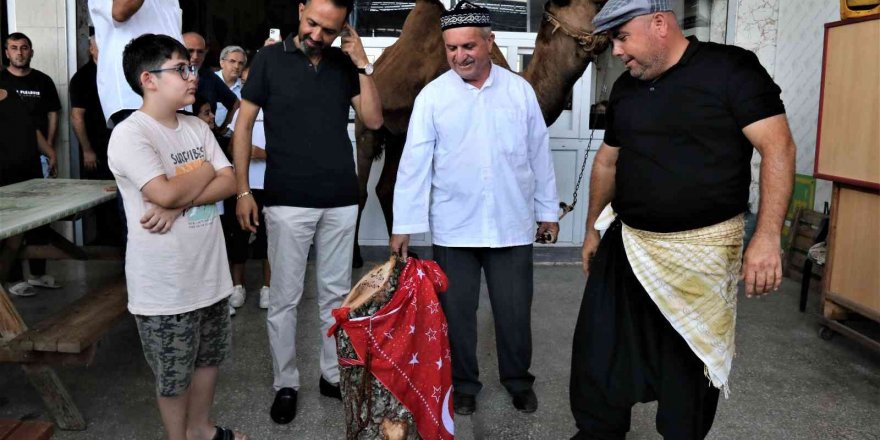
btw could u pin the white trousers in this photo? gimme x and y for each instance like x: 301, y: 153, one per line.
x: 290, y: 231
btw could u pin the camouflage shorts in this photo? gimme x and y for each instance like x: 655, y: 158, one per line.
x: 174, y: 345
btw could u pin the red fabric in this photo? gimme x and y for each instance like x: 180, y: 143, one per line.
x: 408, y: 347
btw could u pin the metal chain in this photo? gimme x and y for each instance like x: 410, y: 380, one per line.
x: 577, y: 186
x: 566, y: 208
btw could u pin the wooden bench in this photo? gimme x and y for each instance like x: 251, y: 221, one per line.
x: 67, y: 338
x: 25, y: 430
x: 80, y: 325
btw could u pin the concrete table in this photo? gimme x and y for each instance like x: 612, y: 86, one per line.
x: 33, y: 203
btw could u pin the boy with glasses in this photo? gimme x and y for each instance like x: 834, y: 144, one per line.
x: 170, y: 172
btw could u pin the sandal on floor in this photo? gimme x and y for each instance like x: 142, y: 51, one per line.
x: 45, y: 281
x: 22, y: 288
x: 224, y: 434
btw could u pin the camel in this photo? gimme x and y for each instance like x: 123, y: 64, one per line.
x: 563, y: 50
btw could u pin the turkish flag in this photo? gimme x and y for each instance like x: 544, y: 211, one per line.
x: 407, y: 346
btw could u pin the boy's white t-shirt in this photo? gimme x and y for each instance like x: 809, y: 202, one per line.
x: 186, y: 268
x: 154, y: 17
x: 257, y: 170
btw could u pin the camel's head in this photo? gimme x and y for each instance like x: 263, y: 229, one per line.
x: 574, y: 19
x: 564, y: 48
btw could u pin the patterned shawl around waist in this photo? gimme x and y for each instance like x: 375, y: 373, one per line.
x: 692, y: 276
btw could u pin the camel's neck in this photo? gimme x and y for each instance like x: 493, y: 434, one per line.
x: 558, y: 62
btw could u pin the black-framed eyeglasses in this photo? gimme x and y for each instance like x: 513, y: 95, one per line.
x: 183, y: 70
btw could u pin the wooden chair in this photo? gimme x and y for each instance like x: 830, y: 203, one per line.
x: 807, y: 228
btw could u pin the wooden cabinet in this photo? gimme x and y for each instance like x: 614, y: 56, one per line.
x: 848, y: 154
x: 853, y: 278
x: 848, y: 144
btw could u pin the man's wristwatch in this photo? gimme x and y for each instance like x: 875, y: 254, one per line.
x: 367, y: 69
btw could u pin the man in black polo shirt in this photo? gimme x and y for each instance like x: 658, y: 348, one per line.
x: 658, y: 314
x: 305, y: 88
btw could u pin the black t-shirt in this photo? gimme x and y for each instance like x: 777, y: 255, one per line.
x: 84, y: 94
x: 310, y: 162
x: 19, y: 156
x: 38, y: 93
x: 214, y: 90
x: 684, y: 162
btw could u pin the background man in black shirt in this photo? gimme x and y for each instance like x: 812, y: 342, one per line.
x: 87, y: 118
x: 40, y: 98
x: 35, y: 88
x: 305, y: 88
x: 674, y: 166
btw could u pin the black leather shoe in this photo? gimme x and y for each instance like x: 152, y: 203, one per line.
x: 525, y: 401
x: 284, y: 407
x: 329, y: 390
x: 464, y: 404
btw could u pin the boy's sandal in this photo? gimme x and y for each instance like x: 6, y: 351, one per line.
x: 224, y: 434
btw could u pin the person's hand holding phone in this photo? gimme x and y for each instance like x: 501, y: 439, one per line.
x: 274, y: 37
x: 353, y: 47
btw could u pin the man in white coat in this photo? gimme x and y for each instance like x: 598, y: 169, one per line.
x: 477, y: 172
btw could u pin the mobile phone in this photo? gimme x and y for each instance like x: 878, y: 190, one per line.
x: 346, y: 29
x: 275, y: 34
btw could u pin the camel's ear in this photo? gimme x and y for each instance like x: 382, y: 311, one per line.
x: 559, y: 3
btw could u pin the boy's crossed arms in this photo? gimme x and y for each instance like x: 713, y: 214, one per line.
x: 172, y: 195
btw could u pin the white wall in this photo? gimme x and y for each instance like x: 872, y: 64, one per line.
x: 755, y: 30
x: 718, y: 22
x: 800, y: 38
x: 787, y: 37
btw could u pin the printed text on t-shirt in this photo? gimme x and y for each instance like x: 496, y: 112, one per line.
x: 188, y: 155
